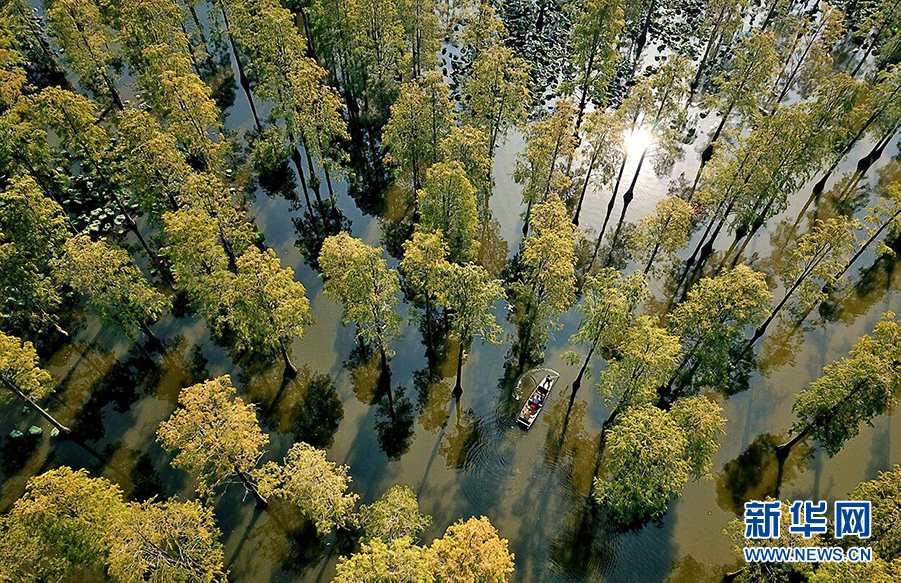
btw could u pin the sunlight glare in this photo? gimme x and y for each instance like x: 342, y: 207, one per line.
x: 637, y: 141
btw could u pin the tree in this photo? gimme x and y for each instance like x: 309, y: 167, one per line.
x: 116, y: 289
x: 216, y: 436
x: 811, y: 266
x: 424, y: 267
x: 497, y: 92
x: 150, y: 163
x: 593, y: 52
x: 208, y: 193
x: 265, y: 307
x: 880, y: 218
x: 701, y: 419
x: 21, y: 375
x: 33, y: 229
x: 64, y: 521
x: 394, y: 516
x: 721, y: 21
x: 542, y: 167
x: 448, y: 204
x: 666, y: 229
x: 469, y: 295
x: 884, y: 493
x: 356, y: 275
x: 547, y: 283
x: 420, y: 120
x: 198, y: 261
x: 76, y: 122
x: 808, y: 56
x: 712, y: 321
x: 646, y: 357
x: 850, y: 391
x: 879, y: 30
x: 607, y: 307
x: 420, y: 23
x: 743, y: 88
x: 86, y: 42
x: 472, y: 551
x: 166, y: 541
x: 468, y: 145
x: 379, y: 561
x: 310, y: 481
x: 603, y: 134
x: 646, y: 463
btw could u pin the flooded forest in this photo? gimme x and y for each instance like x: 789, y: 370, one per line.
x: 445, y: 290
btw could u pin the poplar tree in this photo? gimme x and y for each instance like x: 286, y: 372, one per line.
x: 317, y: 486
x: 593, y: 52
x: 21, y: 375
x: 420, y: 23
x: 166, y: 541
x: 721, y: 21
x: 711, y: 325
x: 496, y: 94
x: 65, y: 521
x: 86, y: 42
x: 424, y: 268
x: 380, y: 561
x: 542, y: 167
x: 472, y: 551
x: 883, y: 217
x: 356, y: 275
x: 394, y: 516
x: 208, y: 193
x: 420, y: 120
x: 468, y: 145
x: 115, y: 287
x: 215, y: 436
x: 547, y: 281
x: 469, y: 295
x: 150, y: 162
x: 447, y: 203
x: 265, y: 307
x: 607, y: 306
x: 850, y: 391
x: 666, y: 229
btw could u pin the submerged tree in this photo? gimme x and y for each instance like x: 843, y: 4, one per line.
x: 356, y: 275
x: 471, y: 551
x: 547, y: 282
x: 851, y: 391
x: 314, y: 484
x: 216, y: 436
x: 448, y: 204
x: 711, y: 325
x: 666, y: 229
x: 265, y: 307
x: 115, y: 287
x: 86, y: 42
x: 21, y: 376
x: 542, y: 167
x: 394, y: 516
x: 166, y: 541
x: 603, y: 147
x: 424, y: 268
x: 385, y: 561
x: 65, y: 521
x: 593, y: 54
x: 469, y: 294
x: 607, y: 305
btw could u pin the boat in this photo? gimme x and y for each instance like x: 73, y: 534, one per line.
x: 536, y: 401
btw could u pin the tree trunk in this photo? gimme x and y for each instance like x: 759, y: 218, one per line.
x: 43, y: 413
x: 290, y: 369
x: 242, y: 77
x: 458, y: 388
x: 252, y: 488
x: 783, y: 450
x: 578, y: 382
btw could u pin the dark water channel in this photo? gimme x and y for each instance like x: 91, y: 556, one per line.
x: 468, y: 459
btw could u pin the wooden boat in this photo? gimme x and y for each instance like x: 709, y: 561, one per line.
x: 536, y: 401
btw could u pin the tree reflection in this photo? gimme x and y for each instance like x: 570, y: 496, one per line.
x: 394, y: 423
x: 312, y: 231
x: 758, y: 472
x: 433, y: 399
x: 462, y: 441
